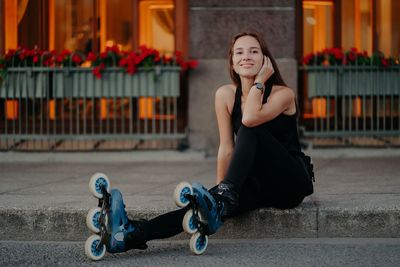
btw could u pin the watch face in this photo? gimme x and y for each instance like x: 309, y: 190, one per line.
x: 259, y: 86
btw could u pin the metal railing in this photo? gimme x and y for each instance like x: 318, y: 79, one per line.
x: 58, y: 108
x: 351, y: 101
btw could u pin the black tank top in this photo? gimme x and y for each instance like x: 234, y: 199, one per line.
x: 283, y: 127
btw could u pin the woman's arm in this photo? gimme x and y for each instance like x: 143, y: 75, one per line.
x: 280, y: 100
x: 255, y: 113
x: 224, y: 98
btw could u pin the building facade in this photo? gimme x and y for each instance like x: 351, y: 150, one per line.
x: 202, y: 29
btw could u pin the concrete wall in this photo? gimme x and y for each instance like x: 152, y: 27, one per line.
x: 212, y: 25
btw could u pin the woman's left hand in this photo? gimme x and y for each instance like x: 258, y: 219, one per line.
x: 265, y: 72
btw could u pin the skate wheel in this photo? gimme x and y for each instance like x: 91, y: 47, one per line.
x: 198, y: 243
x: 181, y: 190
x: 96, y: 180
x: 93, y: 219
x: 94, y: 249
x: 188, y: 223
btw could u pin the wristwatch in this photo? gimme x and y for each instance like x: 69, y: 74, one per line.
x: 259, y: 86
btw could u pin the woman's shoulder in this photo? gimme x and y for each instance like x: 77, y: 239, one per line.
x: 226, y: 92
x: 287, y: 96
x: 283, y: 90
x: 225, y: 96
x: 226, y: 89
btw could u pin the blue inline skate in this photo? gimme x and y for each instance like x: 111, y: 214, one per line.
x: 204, y: 217
x: 114, y: 232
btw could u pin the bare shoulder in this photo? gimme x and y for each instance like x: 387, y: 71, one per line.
x: 226, y: 90
x: 225, y: 93
x: 225, y: 96
x: 287, y: 96
x: 283, y: 91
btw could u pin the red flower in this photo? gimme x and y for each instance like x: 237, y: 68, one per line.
x: 352, y: 57
x: 307, y: 59
x: 114, y: 49
x: 91, y: 57
x: 77, y: 59
x: 192, y: 64
x: 131, y: 69
x: 35, y: 59
x: 337, y: 53
x: 103, y: 55
x: 384, y: 62
x: 178, y: 53
x: 59, y: 59
x: 97, y: 71
x: 123, y: 62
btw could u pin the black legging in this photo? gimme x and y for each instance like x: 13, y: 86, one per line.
x: 266, y: 174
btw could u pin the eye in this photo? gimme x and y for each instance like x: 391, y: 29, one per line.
x: 238, y: 53
x: 254, y: 51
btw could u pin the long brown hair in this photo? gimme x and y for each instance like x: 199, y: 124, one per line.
x: 275, y: 79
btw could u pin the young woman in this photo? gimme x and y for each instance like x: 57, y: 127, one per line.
x: 262, y: 166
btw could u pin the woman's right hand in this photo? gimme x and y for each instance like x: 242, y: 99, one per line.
x: 266, y: 71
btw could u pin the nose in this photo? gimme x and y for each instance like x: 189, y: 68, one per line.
x: 246, y: 56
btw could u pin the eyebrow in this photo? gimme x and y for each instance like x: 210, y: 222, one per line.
x: 253, y: 47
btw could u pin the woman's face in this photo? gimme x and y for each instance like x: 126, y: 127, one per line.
x: 247, y: 57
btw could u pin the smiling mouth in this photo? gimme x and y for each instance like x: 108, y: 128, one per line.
x: 247, y: 65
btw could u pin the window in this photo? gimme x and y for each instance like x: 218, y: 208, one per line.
x: 368, y: 25
x: 91, y: 25
x: 318, y: 34
x: 356, y: 25
x: 71, y: 25
x: 317, y: 25
x: 388, y: 27
x: 156, y: 24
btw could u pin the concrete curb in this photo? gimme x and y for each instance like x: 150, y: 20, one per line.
x: 102, y: 157
x: 306, y: 221
x: 173, y: 155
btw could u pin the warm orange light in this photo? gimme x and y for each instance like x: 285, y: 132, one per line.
x: 146, y: 107
x: 319, y: 107
x: 11, y: 24
x: 12, y: 109
x: 357, y: 107
x: 103, y: 108
x: 52, y: 27
x: 52, y: 109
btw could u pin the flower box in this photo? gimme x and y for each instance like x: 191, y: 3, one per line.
x: 322, y: 83
x: 25, y: 83
x: 81, y: 83
x: 352, y: 81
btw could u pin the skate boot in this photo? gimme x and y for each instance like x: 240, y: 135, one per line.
x: 226, y: 193
x: 204, y: 217
x: 114, y: 231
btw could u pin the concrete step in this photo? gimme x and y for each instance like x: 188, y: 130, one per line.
x: 312, y: 219
x: 45, y: 196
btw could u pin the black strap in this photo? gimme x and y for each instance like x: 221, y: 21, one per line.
x: 267, y: 91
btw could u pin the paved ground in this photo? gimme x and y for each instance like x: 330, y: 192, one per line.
x: 44, y: 196
x: 262, y: 252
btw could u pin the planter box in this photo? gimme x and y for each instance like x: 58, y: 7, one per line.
x: 332, y: 82
x: 371, y: 82
x: 81, y: 83
x: 25, y: 83
x: 322, y: 83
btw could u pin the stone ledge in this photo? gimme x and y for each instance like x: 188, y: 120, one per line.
x: 306, y: 221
